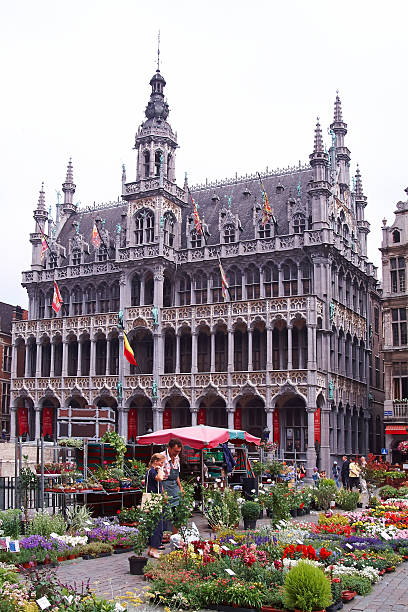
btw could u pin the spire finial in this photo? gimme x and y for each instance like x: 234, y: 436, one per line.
x: 70, y: 173
x: 359, y: 184
x: 158, y: 51
x: 318, y: 139
x: 338, y: 117
x: 41, y: 199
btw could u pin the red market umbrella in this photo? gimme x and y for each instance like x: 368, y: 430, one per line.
x: 199, y: 436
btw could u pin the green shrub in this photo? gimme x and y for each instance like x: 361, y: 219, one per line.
x: 78, y: 518
x: 386, y: 492
x: 323, y: 496
x: 360, y: 584
x: 402, y: 491
x: 328, y: 483
x: 278, y: 502
x: 307, y: 588
x: 45, y: 524
x: 10, y: 523
x: 7, y: 575
x: 94, y: 549
x: 250, y: 510
x: 347, y: 500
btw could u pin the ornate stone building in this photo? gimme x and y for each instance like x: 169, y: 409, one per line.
x: 288, y: 352
x: 394, y: 250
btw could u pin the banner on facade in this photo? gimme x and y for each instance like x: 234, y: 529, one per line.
x: 132, y: 423
x: 317, y: 427
x: 238, y: 418
x: 276, y: 429
x: 167, y: 418
x: 201, y: 416
x: 48, y: 419
x: 22, y: 420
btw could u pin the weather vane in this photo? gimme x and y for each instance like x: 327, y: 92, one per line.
x: 158, y: 51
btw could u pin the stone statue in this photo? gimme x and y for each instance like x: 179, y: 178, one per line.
x: 332, y: 310
x: 161, y: 222
x: 120, y: 319
x: 331, y: 389
x: 333, y: 137
x: 155, y: 313
x: 118, y: 228
x: 154, y: 390
x: 299, y: 188
x: 119, y: 389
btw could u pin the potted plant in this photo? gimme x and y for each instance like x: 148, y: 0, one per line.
x: 307, y: 589
x: 147, y: 519
x: 250, y: 513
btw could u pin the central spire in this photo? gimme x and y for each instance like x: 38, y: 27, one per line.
x: 157, y: 107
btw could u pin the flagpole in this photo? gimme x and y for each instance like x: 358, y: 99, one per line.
x: 100, y: 236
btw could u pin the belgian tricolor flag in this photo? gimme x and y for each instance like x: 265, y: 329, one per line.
x: 128, y: 351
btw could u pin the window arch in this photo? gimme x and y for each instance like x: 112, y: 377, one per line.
x: 271, y: 280
x: 65, y: 302
x: 144, y: 227
x: 41, y: 305
x: 299, y: 223
x: 53, y: 260
x: 135, y: 290
x: 77, y: 301
x: 290, y: 283
x: 195, y: 239
x: 306, y: 275
x: 264, y: 231
x: 157, y: 162
x: 146, y: 163
x: 252, y: 283
x: 184, y: 291
x: 396, y: 236
x: 229, y: 233
x: 102, y: 253
x: 169, y: 162
x: 200, y: 288
x: 168, y: 229
x: 103, y: 298
x: 216, y: 287
x: 76, y: 256
x: 235, y: 283
x: 115, y: 297
x: 90, y: 299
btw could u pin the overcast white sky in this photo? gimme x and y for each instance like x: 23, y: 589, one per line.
x: 245, y: 82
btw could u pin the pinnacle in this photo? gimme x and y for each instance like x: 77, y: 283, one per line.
x: 359, y: 184
x: 338, y: 116
x: 70, y: 175
x: 318, y: 139
x: 41, y: 199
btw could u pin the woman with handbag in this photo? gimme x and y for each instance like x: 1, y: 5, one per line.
x: 154, y: 484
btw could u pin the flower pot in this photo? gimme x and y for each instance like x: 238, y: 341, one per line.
x: 271, y: 609
x: 390, y: 569
x: 381, y: 572
x: 122, y: 549
x: 136, y: 565
x: 338, y: 605
x: 249, y: 524
x: 71, y: 557
x: 348, y: 595
x: 293, y: 512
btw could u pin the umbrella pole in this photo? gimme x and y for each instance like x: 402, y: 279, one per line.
x: 202, y: 481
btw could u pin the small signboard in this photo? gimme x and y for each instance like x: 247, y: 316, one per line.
x: 384, y: 451
x: 387, y: 412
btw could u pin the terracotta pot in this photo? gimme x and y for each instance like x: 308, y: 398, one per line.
x: 136, y: 565
x: 71, y: 557
x: 348, y: 595
x: 390, y: 569
x: 381, y: 572
x: 60, y: 559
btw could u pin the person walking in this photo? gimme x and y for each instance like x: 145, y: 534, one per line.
x: 171, y: 469
x: 344, y: 472
x: 316, y: 476
x: 336, y: 474
x: 154, y: 484
x: 354, y: 474
x: 363, y: 482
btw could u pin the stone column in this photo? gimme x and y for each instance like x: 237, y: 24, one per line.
x: 367, y: 417
x: 325, y: 443
x: 177, y: 353
x: 269, y: 348
x: 230, y: 415
x: 13, y: 418
x: 212, y: 351
x: 64, y: 358
x: 348, y: 442
x: 38, y: 360
x: 341, y: 448
x: 194, y: 413
x: 123, y: 422
x: 261, y: 283
x: 157, y: 418
x: 79, y: 369
x: 230, y: 350
x: 281, y: 292
x: 108, y: 356
x: 37, y: 431
x: 269, y: 423
x: 194, y: 335
x: 158, y: 287
x: 142, y: 290
x: 52, y: 364
x: 93, y: 357
x: 250, y: 365
x: 310, y: 453
x: 281, y: 351
x: 290, y: 360
x: 14, y: 361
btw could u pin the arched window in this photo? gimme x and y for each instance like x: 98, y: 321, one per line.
x: 115, y: 297
x: 103, y: 298
x: 50, y: 311
x: 229, y: 233
x: 144, y: 227
x: 77, y: 301
x: 195, y: 239
x: 252, y: 283
x: 90, y: 299
x: 157, y: 162
x: 396, y: 237
x: 102, y: 253
x: 146, y: 163
x: 299, y: 223
x: 53, y: 260
x: 290, y: 284
x: 306, y: 278
x: 168, y: 229
x: 346, y: 233
x: 341, y: 285
x: 184, y: 291
x: 135, y: 291
x: 169, y: 162
x: 216, y: 287
x: 235, y: 284
x: 271, y: 280
x: 397, y: 274
x: 65, y: 302
x: 264, y: 231
x: 41, y: 305
x: 200, y: 288
x: 76, y: 257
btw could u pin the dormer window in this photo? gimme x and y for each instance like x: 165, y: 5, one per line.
x: 195, y: 239
x: 102, y: 253
x: 265, y: 231
x: 299, y: 223
x: 229, y: 234
x: 396, y: 236
x: 146, y: 163
x: 53, y: 260
x: 76, y: 257
x: 168, y: 229
x: 144, y: 227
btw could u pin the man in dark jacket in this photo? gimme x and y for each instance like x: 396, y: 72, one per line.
x: 345, y: 473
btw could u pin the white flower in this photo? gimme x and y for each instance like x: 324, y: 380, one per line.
x: 252, y: 490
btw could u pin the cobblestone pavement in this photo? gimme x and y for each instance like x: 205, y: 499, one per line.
x: 109, y: 577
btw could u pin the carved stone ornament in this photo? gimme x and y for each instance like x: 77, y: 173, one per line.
x: 76, y: 390
x: 105, y: 391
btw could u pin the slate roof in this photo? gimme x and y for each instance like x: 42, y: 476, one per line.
x: 6, y: 316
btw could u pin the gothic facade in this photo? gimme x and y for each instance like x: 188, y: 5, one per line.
x: 288, y: 352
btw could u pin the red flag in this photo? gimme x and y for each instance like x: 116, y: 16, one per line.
x: 267, y: 214
x: 128, y: 351
x: 96, y: 238
x: 44, y: 245
x: 56, y: 299
x: 197, y: 220
x: 224, y: 282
